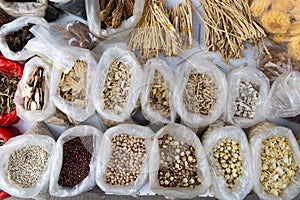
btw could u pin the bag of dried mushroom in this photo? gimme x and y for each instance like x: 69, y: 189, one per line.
x: 123, y: 161
x: 32, y: 97
x: 276, y: 161
x: 113, y: 18
x: 157, y: 92
x: 179, y: 168
x: 229, y: 156
x: 75, y: 161
x: 248, y: 90
x: 200, y: 98
x: 117, y: 84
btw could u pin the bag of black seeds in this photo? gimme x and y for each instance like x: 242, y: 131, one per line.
x: 123, y: 161
x: 75, y: 161
x: 248, y: 90
x: 178, y: 166
x: 229, y: 156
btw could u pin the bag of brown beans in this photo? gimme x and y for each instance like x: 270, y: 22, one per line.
x: 178, y: 165
x: 123, y: 161
x: 74, y: 168
x: 248, y: 90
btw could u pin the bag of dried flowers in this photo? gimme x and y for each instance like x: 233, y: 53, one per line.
x: 248, y: 90
x: 179, y: 168
x: 75, y: 161
x: 123, y: 161
x: 276, y: 161
x: 229, y: 156
x: 32, y: 97
x: 157, y: 92
x: 113, y: 18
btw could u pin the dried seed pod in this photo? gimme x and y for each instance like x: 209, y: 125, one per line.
x: 275, y: 22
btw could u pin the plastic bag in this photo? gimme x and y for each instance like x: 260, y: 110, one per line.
x: 125, y: 57
x: 248, y: 90
x: 93, y: 10
x: 256, y: 145
x: 88, y: 182
x: 219, y: 185
x: 205, y: 68
x: 151, y: 112
x: 184, y: 135
x: 48, y: 107
x: 5, y: 18
x: 75, y: 7
x: 106, y: 153
x: 19, y: 8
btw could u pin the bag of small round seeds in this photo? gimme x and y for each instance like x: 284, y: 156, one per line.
x: 229, y: 156
x: 178, y: 166
x: 75, y: 161
x: 276, y: 161
x: 123, y: 160
x: 247, y: 95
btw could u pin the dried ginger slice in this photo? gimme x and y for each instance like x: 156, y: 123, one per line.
x: 275, y: 21
x: 259, y: 6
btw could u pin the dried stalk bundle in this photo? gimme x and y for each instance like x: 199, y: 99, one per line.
x: 72, y: 86
x: 7, y: 92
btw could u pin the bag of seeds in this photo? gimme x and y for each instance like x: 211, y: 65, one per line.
x: 75, y: 161
x: 123, y: 160
x: 200, y: 98
x: 113, y: 18
x: 32, y: 97
x: 15, y: 35
x: 117, y: 84
x: 276, y: 161
x: 178, y: 166
x: 248, y: 90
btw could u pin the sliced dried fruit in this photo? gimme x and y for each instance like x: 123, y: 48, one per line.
x: 283, y: 5
x: 275, y: 21
x: 294, y: 47
x: 279, y: 38
x: 259, y: 6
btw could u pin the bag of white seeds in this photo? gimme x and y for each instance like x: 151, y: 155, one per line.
x: 75, y: 161
x: 178, y: 166
x: 117, y: 84
x: 32, y: 97
x: 123, y: 161
x: 201, y: 93
x: 229, y: 156
x: 276, y: 161
x: 157, y: 92
x: 248, y: 90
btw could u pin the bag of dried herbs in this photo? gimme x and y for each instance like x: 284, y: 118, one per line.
x: 32, y: 97
x: 123, y: 162
x: 229, y: 156
x: 276, y: 161
x: 113, y: 18
x: 157, y: 92
x: 179, y: 168
x: 117, y: 84
x: 75, y: 161
x: 5, y: 18
x: 248, y: 90
x: 15, y: 35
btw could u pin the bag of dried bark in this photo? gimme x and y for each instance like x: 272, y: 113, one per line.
x: 111, y: 18
x: 248, y: 90
x: 75, y: 161
x: 276, y: 161
x: 179, y: 168
x: 117, y: 84
x: 123, y: 161
x: 32, y: 97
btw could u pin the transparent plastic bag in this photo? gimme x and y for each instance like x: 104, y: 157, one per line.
x: 105, y: 155
x: 18, y: 9
x: 88, y: 182
x: 185, y: 135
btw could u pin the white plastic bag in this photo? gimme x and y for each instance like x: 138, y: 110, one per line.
x: 48, y: 107
x: 18, y: 9
x: 89, y: 182
x: 182, y: 134
x: 14, y: 26
x: 105, y: 154
x: 245, y: 182
x: 93, y: 10
x: 167, y: 74
x: 256, y: 77
x: 111, y: 54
